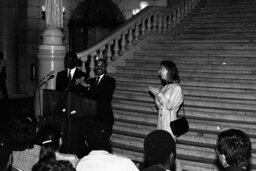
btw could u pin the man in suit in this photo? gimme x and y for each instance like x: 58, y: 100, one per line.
x: 67, y: 79
x: 234, y: 150
x: 3, y: 76
x: 101, y: 89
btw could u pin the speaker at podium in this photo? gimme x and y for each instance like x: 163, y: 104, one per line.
x: 71, y: 113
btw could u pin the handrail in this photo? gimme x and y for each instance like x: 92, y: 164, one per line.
x: 123, y: 38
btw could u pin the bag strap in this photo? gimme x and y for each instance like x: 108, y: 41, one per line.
x: 183, y: 108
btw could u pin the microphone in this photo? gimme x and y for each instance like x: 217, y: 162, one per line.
x: 48, y: 75
x: 46, y: 78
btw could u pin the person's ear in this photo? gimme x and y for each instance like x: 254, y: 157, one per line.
x: 223, y: 160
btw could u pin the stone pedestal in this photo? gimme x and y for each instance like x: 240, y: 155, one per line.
x: 50, y: 60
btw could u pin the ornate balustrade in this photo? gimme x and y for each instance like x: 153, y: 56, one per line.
x: 150, y: 20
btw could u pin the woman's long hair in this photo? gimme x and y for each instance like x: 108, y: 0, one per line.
x: 173, y: 73
x: 49, y: 137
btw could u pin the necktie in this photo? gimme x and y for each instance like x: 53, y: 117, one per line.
x: 69, y: 75
x: 97, y: 80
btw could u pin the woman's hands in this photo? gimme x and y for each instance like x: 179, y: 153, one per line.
x: 154, y: 90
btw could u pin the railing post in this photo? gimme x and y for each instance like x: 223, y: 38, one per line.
x: 123, y: 44
x: 92, y: 64
x: 83, y: 64
x: 149, y: 24
x: 143, y: 28
x: 154, y: 22
x: 174, y: 18
x: 178, y: 16
x: 165, y: 23
x: 109, y: 53
x: 116, y: 49
x: 159, y: 22
x: 130, y: 39
x: 136, y: 34
x: 169, y: 22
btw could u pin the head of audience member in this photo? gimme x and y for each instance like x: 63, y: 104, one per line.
x: 100, y: 67
x: 234, y: 148
x: 5, y: 151
x: 98, y: 136
x: 54, y: 165
x: 160, y: 149
x: 23, y: 131
x: 70, y: 60
x: 168, y: 72
x: 50, y: 139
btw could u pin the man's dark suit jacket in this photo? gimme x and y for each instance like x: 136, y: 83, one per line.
x: 103, y: 95
x: 62, y: 82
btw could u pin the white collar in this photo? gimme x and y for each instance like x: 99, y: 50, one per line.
x: 72, y: 71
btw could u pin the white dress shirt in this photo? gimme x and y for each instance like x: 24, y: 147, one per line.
x: 72, y: 72
x: 100, y: 160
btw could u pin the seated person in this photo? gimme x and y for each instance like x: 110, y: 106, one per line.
x: 99, y: 159
x: 54, y: 165
x: 160, y: 151
x: 5, y: 151
x: 67, y: 79
x: 23, y: 136
x: 51, y: 140
x: 234, y: 150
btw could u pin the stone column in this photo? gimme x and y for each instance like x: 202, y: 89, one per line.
x: 51, y: 52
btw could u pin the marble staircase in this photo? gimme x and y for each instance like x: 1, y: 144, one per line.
x: 215, y: 52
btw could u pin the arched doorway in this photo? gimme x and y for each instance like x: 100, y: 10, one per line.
x: 91, y: 21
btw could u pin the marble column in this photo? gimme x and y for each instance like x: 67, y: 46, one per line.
x: 50, y: 53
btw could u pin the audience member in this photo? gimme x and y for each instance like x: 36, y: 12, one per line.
x: 51, y: 140
x: 67, y: 79
x: 99, y: 159
x: 54, y: 165
x: 234, y: 150
x: 160, y: 151
x: 5, y: 151
x: 3, y: 76
x: 23, y: 135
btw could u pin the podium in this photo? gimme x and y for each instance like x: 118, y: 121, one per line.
x: 72, y: 113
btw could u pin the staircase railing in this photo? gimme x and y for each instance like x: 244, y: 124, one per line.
x: 134, y: 30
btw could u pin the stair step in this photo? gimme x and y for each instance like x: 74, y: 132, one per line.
x: 247, y: 105
x: 204, y: 82
x: 216, y: 30
x: 217, y: 59
x: 187, y: 71
x: 190, y: 64
x: 199, y: 51
x: 205, y: 138
x: 184, y: 151
x: 194, y: 90
x: 150, y: 119
x: 202, y: 44
x: 219, y: 25
x: 224, y: 74
x: 219, y: 47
